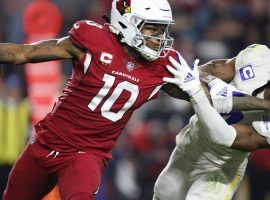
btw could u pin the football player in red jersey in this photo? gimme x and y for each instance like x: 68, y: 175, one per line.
x: 117, y: 67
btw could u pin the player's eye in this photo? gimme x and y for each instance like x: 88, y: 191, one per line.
x: 152, y: 29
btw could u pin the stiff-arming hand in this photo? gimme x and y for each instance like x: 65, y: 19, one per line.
x: 222, y: 95
x: 185, y: 77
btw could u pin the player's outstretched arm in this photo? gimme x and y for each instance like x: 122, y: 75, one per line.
x: 42, y: 51
x: 223, y: 69
x: 216, y: 74
x: 218, y: 130
x: 174, y: 91
x: 248, y: 139
x: 188, y: 80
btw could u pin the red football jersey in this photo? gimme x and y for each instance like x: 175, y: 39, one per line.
x: 105, y: 88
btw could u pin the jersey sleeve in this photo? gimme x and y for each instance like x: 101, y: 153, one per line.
x: 85, y: 34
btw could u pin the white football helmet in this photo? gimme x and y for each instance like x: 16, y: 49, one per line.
x: 128, y: 18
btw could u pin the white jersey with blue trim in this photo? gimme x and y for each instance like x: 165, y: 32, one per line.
x: 251, y: 72
x: 201, y: 168
x: 197, y: 146
x: 195, y: 143
x: 252, y: 69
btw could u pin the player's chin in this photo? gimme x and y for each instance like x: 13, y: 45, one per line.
x: 153, y: 45
x: 155, y: 48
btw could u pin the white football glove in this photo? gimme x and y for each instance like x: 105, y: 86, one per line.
x: 222, y: 95
x: 184, y: 77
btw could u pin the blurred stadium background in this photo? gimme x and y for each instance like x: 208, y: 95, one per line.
x: 204, y: 29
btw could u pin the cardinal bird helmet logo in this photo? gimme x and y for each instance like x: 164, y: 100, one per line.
x: 123, y: 6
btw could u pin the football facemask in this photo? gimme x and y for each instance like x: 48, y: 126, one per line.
x: 128, y: 17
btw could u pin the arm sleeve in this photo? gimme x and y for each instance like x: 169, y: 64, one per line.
x: 217, y: 128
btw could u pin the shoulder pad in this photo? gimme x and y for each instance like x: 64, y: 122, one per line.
x: 253, y: 54
x: 173, y: 53
x: 83, y: 32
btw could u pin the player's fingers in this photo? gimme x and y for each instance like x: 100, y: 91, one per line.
x: 215, y: 105
x: 175, y: 63
x: 170, y: 80
x: 229, y: 105
x: 194, y: 67
x: 171, y: 70
x: 182, y: 60
x: 218, y: 105
x: 224, y: 104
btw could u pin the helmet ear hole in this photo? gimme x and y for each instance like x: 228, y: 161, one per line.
x: 122, y: 25
x: 139, y: 26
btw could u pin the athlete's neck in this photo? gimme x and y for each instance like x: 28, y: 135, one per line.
x: 134, y: 54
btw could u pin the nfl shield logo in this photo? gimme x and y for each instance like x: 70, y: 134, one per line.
x: 130, y: 66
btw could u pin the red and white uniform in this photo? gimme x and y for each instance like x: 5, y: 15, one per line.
x: 105, y: 88
x: 75, y: 140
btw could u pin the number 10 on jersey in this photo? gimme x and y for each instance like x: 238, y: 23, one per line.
x: 108, y: 103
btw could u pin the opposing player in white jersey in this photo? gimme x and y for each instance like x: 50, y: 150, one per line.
x: 210, y: 156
